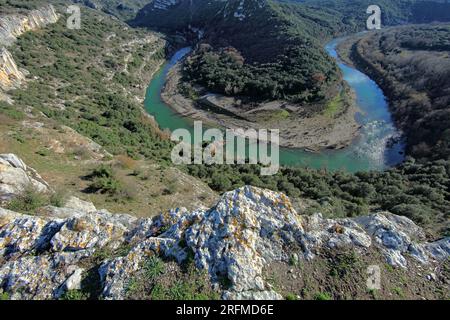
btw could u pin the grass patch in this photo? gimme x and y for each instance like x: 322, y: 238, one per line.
x: 160, y: 280
x: 4, y: 295
x: 76, y: 295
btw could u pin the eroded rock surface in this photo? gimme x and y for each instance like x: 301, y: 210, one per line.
x: 43, y: 256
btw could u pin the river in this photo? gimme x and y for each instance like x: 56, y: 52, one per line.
x: 370, y: 151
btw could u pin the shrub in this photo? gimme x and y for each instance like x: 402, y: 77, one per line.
x: 126, y: 162
x: 104, y: 181
x: 322, y: 296
x: 58, y: 198
x: 291, y: 296
x: 220, y: 183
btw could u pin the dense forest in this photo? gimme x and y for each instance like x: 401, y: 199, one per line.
x: 270, y: 50
x: 71, y: 68
x: 411, y: 64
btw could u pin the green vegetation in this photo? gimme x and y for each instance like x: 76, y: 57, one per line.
x: 28, y: 200
x: 322, y: 296
x: 344, y: 264
x: 123, y: 9
x: 73, y: 87
x: 271, y: 54
x: 411, y: 64
x: 104, y: 180
x: 155, y: 281
x: 58, y: 198
x: 275, y: 50
x: 299, y: 75
x: 10, y: 111
x: 3, y: 295
x: 418, y: 191
x: 398, y: 291
x: 291, y: 296
x: 76, y: 295
x: 334, y: 106
x: 6, y: 5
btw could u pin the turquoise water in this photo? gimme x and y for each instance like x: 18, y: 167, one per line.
x: 370, y: 151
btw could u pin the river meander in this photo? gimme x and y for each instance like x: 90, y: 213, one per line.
x: 370, y: 151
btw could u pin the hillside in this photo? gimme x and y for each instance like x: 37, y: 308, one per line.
x: 394, y: 12
x: 122, y: 9
x: 272, y: 55
x: 276, y: 47
x: 78, y: 109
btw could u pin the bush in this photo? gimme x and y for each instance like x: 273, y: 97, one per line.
x: 104, y: 181
x: 220, y: 183
x: 76, y: 295
x: 58, y: 199
x: 414, y: 212
x: 4, y: 295
x: 291, y: 296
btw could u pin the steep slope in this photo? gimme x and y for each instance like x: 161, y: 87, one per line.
x: 122, y: 9
x: 394, y: 12
x: 80, y: 107
x: 276, y: 57
x: 278, y: 43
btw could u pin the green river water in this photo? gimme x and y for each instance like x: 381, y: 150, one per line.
x: 370, y: 151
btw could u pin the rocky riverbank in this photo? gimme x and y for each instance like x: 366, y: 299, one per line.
x: 249, y: 238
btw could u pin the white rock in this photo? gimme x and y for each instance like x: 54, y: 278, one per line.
x: 78, y: 204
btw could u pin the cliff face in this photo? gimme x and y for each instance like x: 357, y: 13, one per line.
x: 12, y: 26
x: 248, y: 232
x: 10, y: 75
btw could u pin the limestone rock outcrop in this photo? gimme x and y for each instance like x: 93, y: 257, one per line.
x: 43, y: 256
x: 13, y: 25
